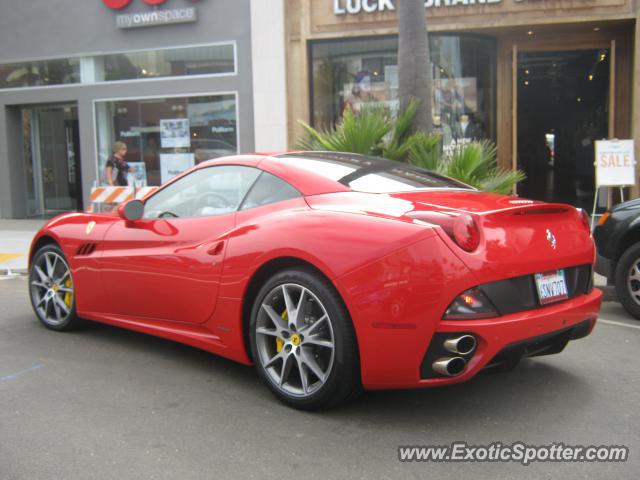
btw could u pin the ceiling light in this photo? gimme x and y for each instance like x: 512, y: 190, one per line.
x: 527, y: 72
x: 579, y: 99
x: 526, y: 83
x: 596, y: 29
x: 530, y: 32
x: 590, y: 77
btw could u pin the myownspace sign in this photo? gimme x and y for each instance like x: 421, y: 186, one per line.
x: 156, y: 17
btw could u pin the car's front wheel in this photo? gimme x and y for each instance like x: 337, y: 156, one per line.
x: 627, y: 280
x: 303, y: 342
x: 51, y: 289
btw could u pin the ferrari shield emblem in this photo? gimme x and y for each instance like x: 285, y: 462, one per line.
x: 551, y: 238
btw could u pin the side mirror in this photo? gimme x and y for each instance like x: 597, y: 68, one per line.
x: 131, y: 210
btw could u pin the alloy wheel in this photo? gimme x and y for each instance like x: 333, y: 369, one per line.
x: 633, y: 281
x: 52, y: 288
x: 295, y: 340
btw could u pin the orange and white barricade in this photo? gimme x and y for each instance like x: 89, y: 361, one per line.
x: 107, y: 199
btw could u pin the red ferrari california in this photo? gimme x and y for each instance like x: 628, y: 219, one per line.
x: 330, y: 272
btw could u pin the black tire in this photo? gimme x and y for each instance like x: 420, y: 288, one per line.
x: 45, y: 285
x: 628, y: 289
x: 341, y: 369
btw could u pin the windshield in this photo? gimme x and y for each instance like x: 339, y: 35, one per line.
x: 370, y: 174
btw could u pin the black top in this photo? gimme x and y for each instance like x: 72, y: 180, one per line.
x: 122, y: 167
x: 371, y: 174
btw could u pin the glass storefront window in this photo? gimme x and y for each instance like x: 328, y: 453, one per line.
x: 165, y: 136
x: 168, y: 62
x: 354, y: 73
x: 39, y: 73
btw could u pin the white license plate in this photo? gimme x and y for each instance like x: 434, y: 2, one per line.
x: 551, y: 286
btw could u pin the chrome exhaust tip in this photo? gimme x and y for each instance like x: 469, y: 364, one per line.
x: 450, y: 367
x: 461, y: 345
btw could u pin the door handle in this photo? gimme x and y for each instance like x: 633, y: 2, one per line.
x: 216, y: 248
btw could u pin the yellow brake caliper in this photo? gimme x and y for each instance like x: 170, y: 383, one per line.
x: 279, y: 341
x: 68, y: 296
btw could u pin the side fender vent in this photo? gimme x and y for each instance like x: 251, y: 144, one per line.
x: 86, y: 249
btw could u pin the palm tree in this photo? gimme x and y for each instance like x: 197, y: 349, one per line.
x: 414, y: 65
x: 375, y: 131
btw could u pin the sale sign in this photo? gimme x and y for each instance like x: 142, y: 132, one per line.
x: 615, y: 163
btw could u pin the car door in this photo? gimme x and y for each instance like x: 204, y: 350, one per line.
x: 168, y: 264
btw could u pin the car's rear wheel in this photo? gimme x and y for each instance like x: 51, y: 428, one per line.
x: 51, y: 289
x: 627, y: 280
x: 302, y: 341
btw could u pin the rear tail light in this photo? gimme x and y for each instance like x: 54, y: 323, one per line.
x: 466, y: 233
x: 471, y: 305
x: 461, y: 228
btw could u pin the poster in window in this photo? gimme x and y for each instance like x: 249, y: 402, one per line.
x: 455, y: 95
x: 138, y: 177
x: 173, y: 164
x: 174, y: 133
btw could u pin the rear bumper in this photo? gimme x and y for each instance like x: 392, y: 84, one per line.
x: 493, y: 336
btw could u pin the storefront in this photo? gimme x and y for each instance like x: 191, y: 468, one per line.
x: 543, y: 79
x: 171, y: 79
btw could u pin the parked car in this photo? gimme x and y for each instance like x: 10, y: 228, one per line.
x: 617, y: 238
x: 329, y: 272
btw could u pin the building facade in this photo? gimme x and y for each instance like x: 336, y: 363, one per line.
x: 171, y: 79
x: 543, y: 79
x: 180, y: 81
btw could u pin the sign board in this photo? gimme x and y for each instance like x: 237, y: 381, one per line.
x: 615, y: 163
x: 173, y: 164
x: 174, y: 133
x: 373, y: 7
x: 157, y: 17
x: 138, y: 177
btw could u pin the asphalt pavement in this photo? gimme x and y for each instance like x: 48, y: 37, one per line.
x: 106, y: 403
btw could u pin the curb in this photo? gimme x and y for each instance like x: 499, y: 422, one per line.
x: 13, y: 272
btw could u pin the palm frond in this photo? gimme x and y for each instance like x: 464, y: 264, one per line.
x: 425, y: 151
x: 373, y: 131
x: 357, y: 133
x: 501, y: 181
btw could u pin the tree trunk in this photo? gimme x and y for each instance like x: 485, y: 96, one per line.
x: 414, y: 65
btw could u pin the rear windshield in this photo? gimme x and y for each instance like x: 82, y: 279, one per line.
x: 370, y: 174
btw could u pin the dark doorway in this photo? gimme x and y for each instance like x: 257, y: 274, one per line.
x: 562, y: 110
x: 52, y: 160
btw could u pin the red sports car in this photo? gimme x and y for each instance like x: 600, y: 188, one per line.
x: 329, y: 271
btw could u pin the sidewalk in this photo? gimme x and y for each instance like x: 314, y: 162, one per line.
x: 15, y: 239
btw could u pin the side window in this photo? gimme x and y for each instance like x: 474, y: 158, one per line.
x: 204, y: 192
x: 268, y: 189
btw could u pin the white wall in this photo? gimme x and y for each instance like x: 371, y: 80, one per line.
x: 269, y: 75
